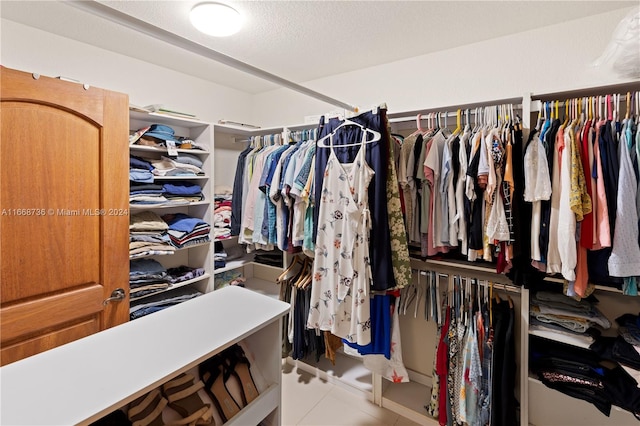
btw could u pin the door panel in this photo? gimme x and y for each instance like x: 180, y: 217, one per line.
x: 63, y: 200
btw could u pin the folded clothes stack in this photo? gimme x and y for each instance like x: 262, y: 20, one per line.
x: 161, y: 301
x: 146, y: 276
x: 567, y: 320
x: 183, y: 165
x: 185, y: 230
x: 182, y: 192
x: 148, y: 235
x: 222, y: 214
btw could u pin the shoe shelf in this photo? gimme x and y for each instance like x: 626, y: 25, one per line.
x: 85, y: 380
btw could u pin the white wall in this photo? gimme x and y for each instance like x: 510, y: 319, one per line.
x: 545, y: 60
x: 29, y: 49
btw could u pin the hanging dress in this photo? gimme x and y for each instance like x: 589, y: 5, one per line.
x: 341, y: 270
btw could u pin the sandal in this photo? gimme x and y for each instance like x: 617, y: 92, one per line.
x: 215, y: 374
x: 182, y: 395
x: 239, y: 367
x: 147, y: 410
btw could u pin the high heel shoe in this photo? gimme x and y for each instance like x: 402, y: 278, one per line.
x: 215, y: 373
x: 238, y: 365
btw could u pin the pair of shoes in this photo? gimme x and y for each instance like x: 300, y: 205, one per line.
x: 218, y: 370
x: 240, y: 367
x: 179, y: 393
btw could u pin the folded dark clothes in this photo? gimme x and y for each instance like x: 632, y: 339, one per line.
x: 191, y: 197
x: 183, y: 273
x: 145, y: 266
x: 217, y: 264
x: 182, y: 188
x: 135, y: 186
x: 139, y: 163
x: 150, y: 238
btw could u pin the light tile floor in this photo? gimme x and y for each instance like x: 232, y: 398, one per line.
x: 308, y: 400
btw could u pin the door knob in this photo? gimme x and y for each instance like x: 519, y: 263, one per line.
x: 117, y: 295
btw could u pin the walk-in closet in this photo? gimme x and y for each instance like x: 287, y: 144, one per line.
x: 336, y: 213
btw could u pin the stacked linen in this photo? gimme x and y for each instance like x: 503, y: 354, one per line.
x: 567, y: 320
x: 140, y: 170
x: 148, y: 235
x: 146, y: 276
x: 182, y: 165
x: 182, y: 192
x: 185, y: 230
x: 222, y: 216
x: 146, y: 194
x: 161, y: 301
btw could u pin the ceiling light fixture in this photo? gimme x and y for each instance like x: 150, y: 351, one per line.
x: 215, y: 19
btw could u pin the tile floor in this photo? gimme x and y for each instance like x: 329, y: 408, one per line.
x: 308, y: 400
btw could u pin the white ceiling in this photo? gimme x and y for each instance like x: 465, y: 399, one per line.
x: 303, y: 40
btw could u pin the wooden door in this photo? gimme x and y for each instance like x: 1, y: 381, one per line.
x: 64, y: 219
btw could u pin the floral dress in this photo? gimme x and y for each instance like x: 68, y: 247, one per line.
x: 341, y: 269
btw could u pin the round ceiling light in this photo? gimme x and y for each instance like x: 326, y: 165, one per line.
x: 215, y: 19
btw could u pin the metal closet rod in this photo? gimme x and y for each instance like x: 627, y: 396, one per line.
x: 479, y: 281
x: 451, y: 109
x: 136, y: 24
x: 586, y: 92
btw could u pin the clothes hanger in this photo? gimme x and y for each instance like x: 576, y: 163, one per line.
x: 376, y: 135
x: 296, y: 261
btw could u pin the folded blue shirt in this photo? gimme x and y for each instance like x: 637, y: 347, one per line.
x: 183, y: 223
x: 182, y: 188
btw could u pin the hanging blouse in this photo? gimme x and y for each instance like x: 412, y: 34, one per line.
x: 625, y: 255
x: 566, y: 217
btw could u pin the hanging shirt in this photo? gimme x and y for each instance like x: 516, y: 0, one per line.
x: 625, y: 255
x: 566, y: 217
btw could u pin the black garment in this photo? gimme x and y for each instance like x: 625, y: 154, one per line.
x: 503, y: 400
x: 473, y: 209
x: 545, y: 217
x: 522, y: 273
x: 610, y: 168
x: 377, y: 155
x: 236, y: 201
x: 584, y: 374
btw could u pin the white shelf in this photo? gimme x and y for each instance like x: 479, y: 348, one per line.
x: 409, y: 400
x: 175, y: 286
x: 555, y: 338
x: 551, y: 407
x: 184, y: 177
x: 161, y: 150
x: 82, y: 381
x: 235, y: 264
x: 166, y: 206
x: 259, y: 408
x: 166, y: 119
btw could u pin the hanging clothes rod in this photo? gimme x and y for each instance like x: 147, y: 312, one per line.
x: 451, y: 109
x: 143, y: 27
x: 592, y: 91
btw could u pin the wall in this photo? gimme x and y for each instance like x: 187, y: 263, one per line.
x: 550, y: 59
x: 33, y: 50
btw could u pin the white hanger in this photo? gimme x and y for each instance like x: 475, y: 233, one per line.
x: 376, y: 135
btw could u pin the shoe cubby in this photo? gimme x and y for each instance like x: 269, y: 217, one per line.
x: 86, y: 380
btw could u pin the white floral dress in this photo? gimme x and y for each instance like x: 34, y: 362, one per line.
x: 341, y: 269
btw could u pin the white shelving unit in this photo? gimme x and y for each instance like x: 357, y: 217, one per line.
x: 82, y: 381
x: 229, y: 142
x: 196, y: 255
